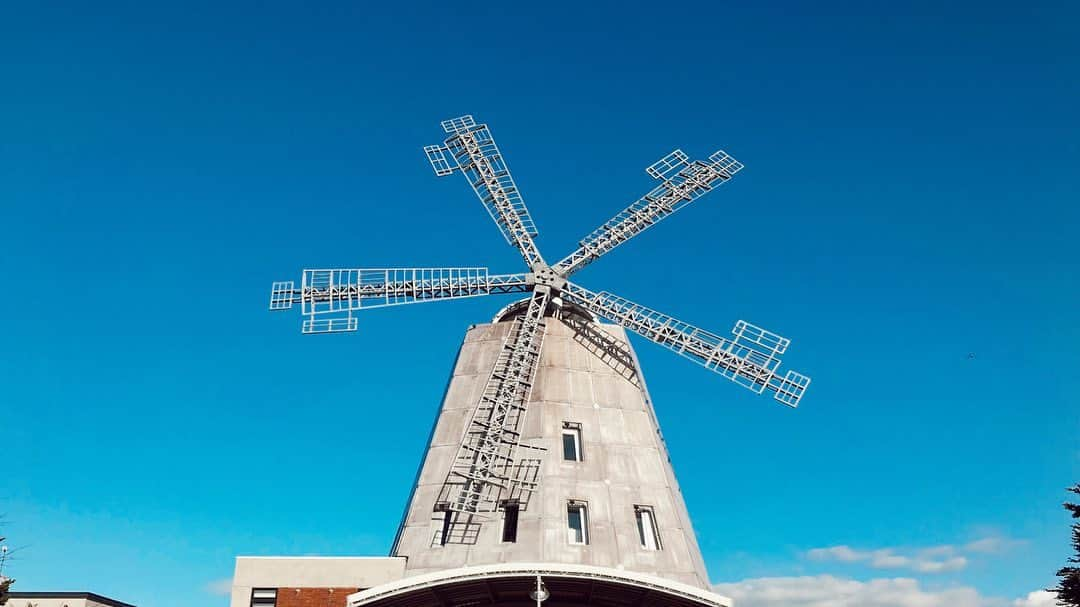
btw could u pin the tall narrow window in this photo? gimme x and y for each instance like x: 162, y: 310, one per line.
x: 646, y: 527
x: 577, y: 522
x: 510, y: 521
x: 263, y: 597
x: 571, y: 442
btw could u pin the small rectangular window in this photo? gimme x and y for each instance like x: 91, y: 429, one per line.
x: 571, y: 442
x: 577, y: 522
x: 646, y: 526
x: 263, y: 597
x: 510, y: 521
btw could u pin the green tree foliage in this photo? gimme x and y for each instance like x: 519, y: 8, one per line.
x: 5, y: 584
x: 1068, y: 589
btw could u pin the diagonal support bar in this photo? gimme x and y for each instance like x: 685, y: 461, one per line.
x: 682, y: 182
x: 471, y: 149
x: 750, y: 358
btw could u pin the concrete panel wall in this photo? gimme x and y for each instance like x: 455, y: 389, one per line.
x: 589, y: 377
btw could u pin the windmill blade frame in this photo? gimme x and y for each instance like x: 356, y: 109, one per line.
x: 330, y: 297
x: 682, y: 182
x: 750, y: 358
x: 471, y: 149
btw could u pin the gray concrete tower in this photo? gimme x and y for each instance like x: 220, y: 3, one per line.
x: 607, y: 494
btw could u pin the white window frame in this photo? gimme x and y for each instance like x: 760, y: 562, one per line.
x: 648, y: 530
x: 573, y: 430
x: 583, y: 516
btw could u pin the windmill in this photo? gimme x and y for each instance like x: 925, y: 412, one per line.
x: 493, y: 466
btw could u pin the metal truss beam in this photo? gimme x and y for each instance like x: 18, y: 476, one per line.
x: 329, y: 297
x: 472, y: 150
x: 682, y: 182
x: 484, y: 470
x: 751, y: 358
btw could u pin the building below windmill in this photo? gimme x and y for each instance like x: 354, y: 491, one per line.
x: 605, y: 525
x: 62, y: 599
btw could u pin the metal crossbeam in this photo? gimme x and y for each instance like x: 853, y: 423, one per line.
x: 751, y: 358
x: 484, y: 468
x: 329, y: 297
x: 473, y: 152
x: 682, y: 182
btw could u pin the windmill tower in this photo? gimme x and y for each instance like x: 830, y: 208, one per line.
x: 546, y: 460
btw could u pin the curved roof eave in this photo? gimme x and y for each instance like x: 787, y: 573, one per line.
x: 426, y: 583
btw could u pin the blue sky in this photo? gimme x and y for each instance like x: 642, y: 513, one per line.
x: 909, y: 198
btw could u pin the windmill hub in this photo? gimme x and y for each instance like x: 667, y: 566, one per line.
x: 544, y: 275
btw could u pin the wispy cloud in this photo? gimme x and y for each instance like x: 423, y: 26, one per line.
x: 938, y: 559
x: 930, y: 559
x: 222, y: 587
x: 993, y: 544
x: 830, y: 591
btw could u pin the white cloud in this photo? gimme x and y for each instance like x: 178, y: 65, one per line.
x: 885, y: 559
x: 830, y: 591
x: 1039, y: 598
x: 993, y: 544
x: 930, y: 559
x: 937, y: 559
x: 838, y: 553
x: 222, y: 587
x: 955, y: 563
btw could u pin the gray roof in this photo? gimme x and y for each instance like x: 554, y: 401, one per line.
x: 97, y: 598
